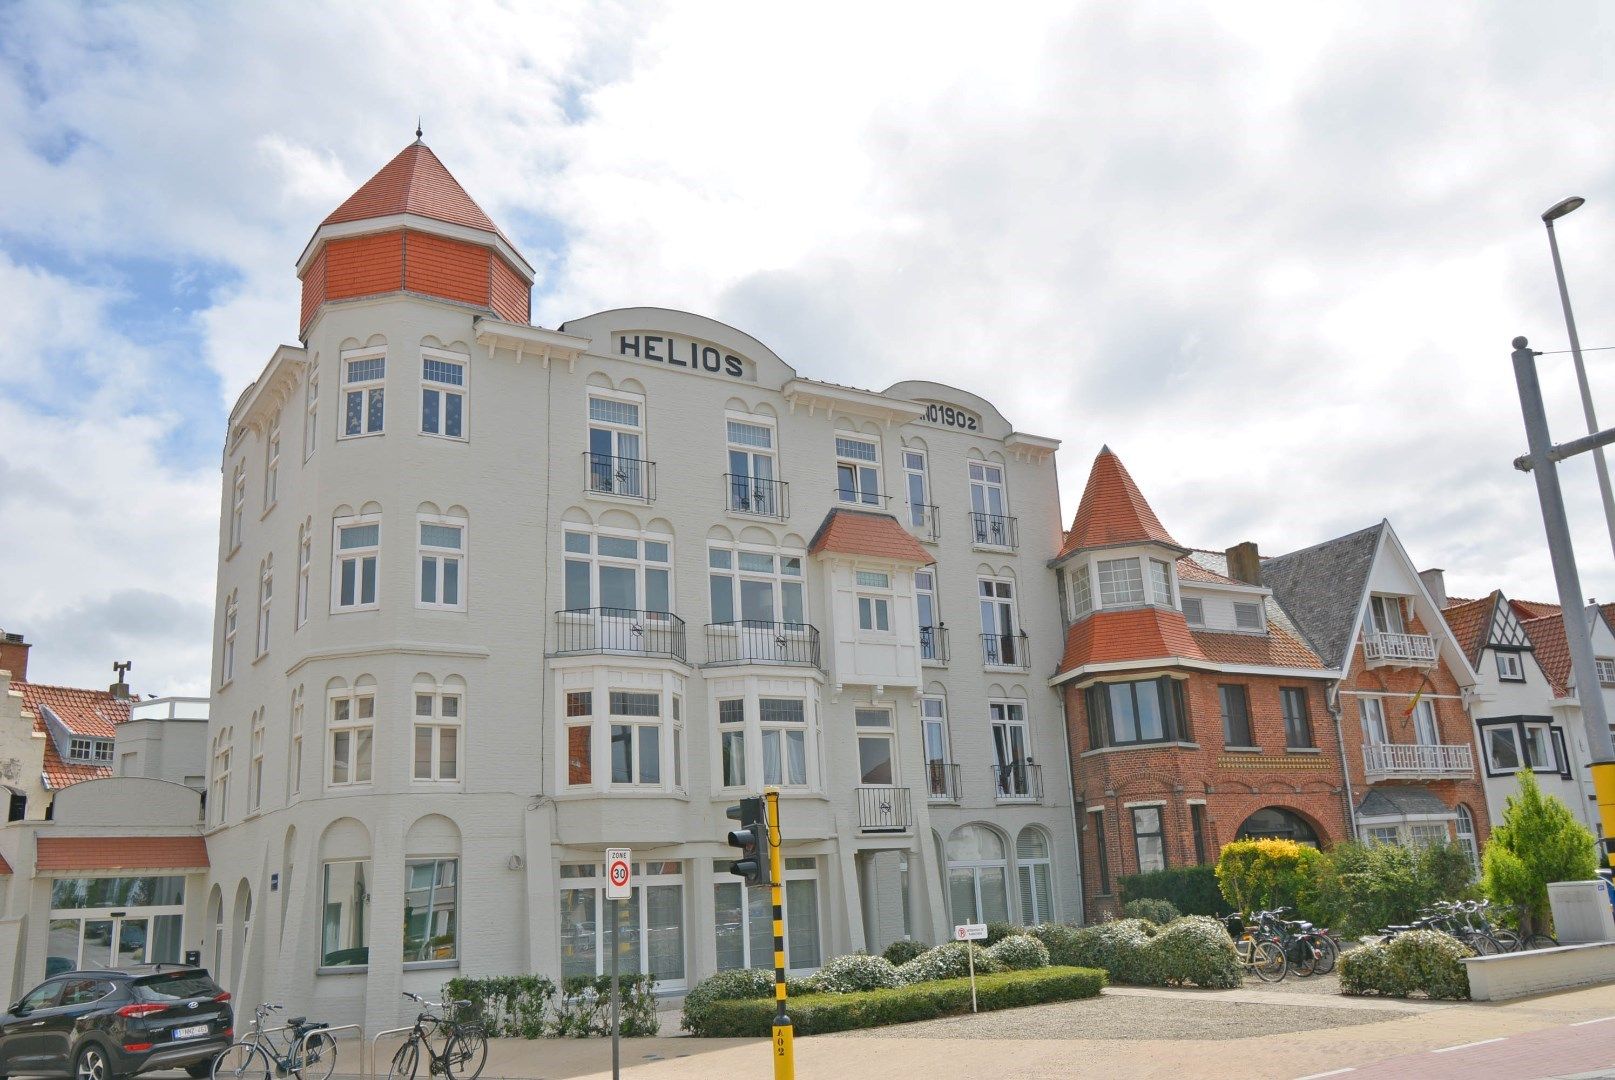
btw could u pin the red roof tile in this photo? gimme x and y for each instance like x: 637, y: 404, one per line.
x: 1533, y: 609
x: 59, y: 773
x: 1277, y: 648
x: 1189, y: 570
x: 859, y: 532
x: 1551, y: 649
x: 414, y: 182
x: 1108, y: 637
x: 119, y: 853
x: 1113, y: 510
x: 92, y: 713
x: 1470, y: 622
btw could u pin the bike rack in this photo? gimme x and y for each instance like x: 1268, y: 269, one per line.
x: 302, y: 1044
x: 375, y: 1043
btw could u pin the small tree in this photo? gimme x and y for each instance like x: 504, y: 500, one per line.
x: 1538, y: 841
x: 1366, y: 886
x: 1268, y: 873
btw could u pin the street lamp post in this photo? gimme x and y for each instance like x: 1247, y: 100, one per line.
x: 1549, y: 216
x: 1542, y: 461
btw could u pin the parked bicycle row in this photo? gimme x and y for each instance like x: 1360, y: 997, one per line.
x: 1469, y: 921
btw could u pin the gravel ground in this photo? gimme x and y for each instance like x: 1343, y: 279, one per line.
x: 1312, y: 984
x: 1114, y: 1017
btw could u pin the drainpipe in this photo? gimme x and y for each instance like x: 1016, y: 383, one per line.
x: 1076, y: 814
x: 1332, y: 699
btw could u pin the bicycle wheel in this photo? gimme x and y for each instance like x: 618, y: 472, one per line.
x: 1328, y: 953
x: 1302, y: 957
x: 242, y: 1061
x: 319, y: 1058
x: 1267, y: 960
x: 466, y: 1054
x: 405, y: 1060
x: 1484, y: 944
x: 1507, y: 940
x: 1541, y: 941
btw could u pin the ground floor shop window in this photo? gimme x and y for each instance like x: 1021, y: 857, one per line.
x: 431, y: 910
x: 345, y: 914
x: 650, y: 923
x: 114, y: 922
x: 744, y: 926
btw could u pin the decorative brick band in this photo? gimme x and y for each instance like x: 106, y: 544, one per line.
x: 1262, y: 761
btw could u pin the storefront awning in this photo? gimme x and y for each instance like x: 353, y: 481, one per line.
x: 54, y: 854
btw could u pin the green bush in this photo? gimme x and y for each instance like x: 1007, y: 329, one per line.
x: 737, y: 984
x: 1270, y: 873
x: 1061, y: 940
x: 1362, y: 887
x: 1193, y: 951
x: 854, y: 973
x: 1150, y: 909
x: 1019, y: 952
x: 904, y: 950
x: 1418, y: 962
x: 584, y: 1007
x: 1191, y: 889
x: 818, y: 1014
x: 1118, y: 948
x: 510, y: 1006
x: 1539, y: 840
x: 949, y: 960
x: 998, y: 931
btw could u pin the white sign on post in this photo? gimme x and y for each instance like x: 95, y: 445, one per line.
x: 619, y: 875
x: 970, y: 931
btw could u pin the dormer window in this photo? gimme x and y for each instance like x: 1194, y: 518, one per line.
x: 1121, y: 583
x: 1161, y: 582
x: 1248, y: 616
x: 1509, y: 667
x: 1385, y: 614
x: 1194, y: 611
x: 92, y: 751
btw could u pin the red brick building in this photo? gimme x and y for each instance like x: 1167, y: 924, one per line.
x: 1197, y: 711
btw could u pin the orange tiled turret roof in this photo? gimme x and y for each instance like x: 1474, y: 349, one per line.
x: 414, y: 182
x: 859, y: 532
x: 1113, y: 511
x: 1110, y: 637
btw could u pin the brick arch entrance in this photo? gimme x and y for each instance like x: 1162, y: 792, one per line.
x: 1279, y: 822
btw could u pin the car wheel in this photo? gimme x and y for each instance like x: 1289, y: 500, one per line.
x: 92, y: 1064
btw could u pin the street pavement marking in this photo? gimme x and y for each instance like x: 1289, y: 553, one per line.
x: 1584, y: 1023
x: 1466, y: 1046
x: 1331, y: 1072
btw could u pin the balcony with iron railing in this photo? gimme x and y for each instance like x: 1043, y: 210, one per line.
x: 756, y: 496
x: 629, y: 478
x: 994, y: 531
x: 883, y: 809
x: 1417, y: 761
x: 1019, y: 781
x: 626, y: 631
x: 1006, y: 651
x: 756, y: 641
x: 934, y: 645
x: 942, y: 782
x: 925, y: 521
x: 1399, y: 650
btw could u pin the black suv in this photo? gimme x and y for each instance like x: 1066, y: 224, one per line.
x: 97, y: 1025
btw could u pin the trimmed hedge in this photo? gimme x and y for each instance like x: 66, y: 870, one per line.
x: 1019, y: 952
x: 949, y: 960
x: 819, y: 1014
x: 1151, y: 909
x: 903, y: 950
x: 1193, y: 951
x: 1418, y: 962
x: 1191, y: 889
x: 532, y: 1007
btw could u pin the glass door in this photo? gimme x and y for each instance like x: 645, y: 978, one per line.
x: 998, y: 623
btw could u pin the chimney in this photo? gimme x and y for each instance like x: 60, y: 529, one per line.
x: 14, y: 656
x: 1244, y: 563
x: 120, y: 689
x: 1435, y: 580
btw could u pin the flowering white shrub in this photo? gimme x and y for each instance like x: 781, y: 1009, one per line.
x: 1019, y: 952
x: 948, y: 961
x: 850, y: 974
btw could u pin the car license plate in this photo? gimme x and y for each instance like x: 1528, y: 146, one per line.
x: 190, y: 1032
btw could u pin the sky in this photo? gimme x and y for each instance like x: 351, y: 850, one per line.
x: 1271, y: 254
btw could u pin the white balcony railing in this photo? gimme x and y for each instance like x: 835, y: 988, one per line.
x: 1408, y: 650
x: 1417, y: 761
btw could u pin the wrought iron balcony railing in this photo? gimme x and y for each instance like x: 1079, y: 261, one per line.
x: 632, y: 478
x: 1020, y: 781
x: 942, y: 780
x: 883, y: 808
x: 754, y: 641
x: 934, y: 644
x: 994, y: 530
x: 862, y: 498
x: 926, y: 521
x: 753, y: 495
x: 619, y: 630
x: 1006, y: 650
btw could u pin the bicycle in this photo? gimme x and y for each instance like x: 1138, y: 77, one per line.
x: 1475, y: 911
x: 257, y: 1056
x: 1308, y: 949
x: 1260, y: 955
x: 1446, y: 921
x: 465, y: 1045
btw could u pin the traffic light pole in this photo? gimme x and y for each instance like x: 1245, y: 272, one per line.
x: 784, y: 1033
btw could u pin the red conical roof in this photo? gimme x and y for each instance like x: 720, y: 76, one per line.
x: 1113, y: 511
x: 414, y: 182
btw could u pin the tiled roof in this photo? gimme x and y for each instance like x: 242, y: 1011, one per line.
x: 1113, y: 510
x: 1277, y: 648
x: 860, y: 532
x: 5, y: 867
x: 1551, y: 648
x: 1470, y: 622
x: 94, y: 714
x: 59, y: 773
x: 119, y: 853
x: 1394, y: 802
x: 414, y: 182
x: 1321, y: 588
x: 1191, y: 569
x: 1108, y: 637
x: 1533, y: 609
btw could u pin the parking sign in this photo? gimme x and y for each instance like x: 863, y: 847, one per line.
x: 619, y: 873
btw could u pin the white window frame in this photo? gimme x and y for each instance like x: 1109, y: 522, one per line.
x: 232, y: 622
x: 1604, y: 666
x: 777, y: 578
x: 1161, y: 591
x: 444, y: 718
x: 983, y: 487
x: 1035, y: 874
x: 1081, y: 577
x: 357, y: 554
x: 937, y: 753
x: 634, y: 481
x: 774, y: 735
x: 255, y: 765
x: 998, y: 604
x: 1510, y: 666
x: 1383, y: 611
x: 886, y: 732
x: 860, y: 471
x: 272, y: 463
x: 1426, y: 723
x: 436, y: 888
x: 875, y: 602
x: 749, y: 734
x: 445, y: 391
x: 238, y: 504
x: 925, y: 589
x: 294, y: 755
x: 917, y: 468
x: 1005, y: 717
x: 358, y: 723
x: 219, y: 788
x: 771, y: 496
x: 1249, y: 617
x: 305, y: 569
x: 440, y: 557
x: 641, y: 564
x: 368, y: 390
x: 1194, y: 610
x: 638, y: 724
x: 311, y: 411
x: 797, y: 868
x: 266, y: 597
x: 645, y: 878
x: 1121, y: 582
x: 1371, y: 713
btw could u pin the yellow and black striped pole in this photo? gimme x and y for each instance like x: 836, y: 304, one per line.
x: 784, y: 1036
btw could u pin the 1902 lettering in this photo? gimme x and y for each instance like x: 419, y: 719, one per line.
x: 949, y: 416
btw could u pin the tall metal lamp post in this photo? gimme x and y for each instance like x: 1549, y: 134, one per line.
x: 1549, y: 216
x: 1542, y: 461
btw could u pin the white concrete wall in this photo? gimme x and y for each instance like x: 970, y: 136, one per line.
x: 1513, y: 975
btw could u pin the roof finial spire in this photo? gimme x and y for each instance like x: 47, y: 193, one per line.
x: 417, y: 128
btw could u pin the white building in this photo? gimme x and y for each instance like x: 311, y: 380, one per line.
x: 164, y: 739
x: 493, y: 597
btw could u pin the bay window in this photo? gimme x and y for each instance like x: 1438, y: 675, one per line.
x: 636, y: 738
x: 874, y: 601
x: 353, y: 718
x: 744, y: 927
x: 579, y: 729
x: 765, y: 734
x: 650, y: 922
x: 1520, y: 744
x: 631, y: 722
x: 783, y: 722
x: 732, y: 741
x: 1138, y: 712
x: 1121, y: 583
x: 755, y: 586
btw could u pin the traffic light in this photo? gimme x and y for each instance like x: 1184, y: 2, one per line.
x: 752, y: 840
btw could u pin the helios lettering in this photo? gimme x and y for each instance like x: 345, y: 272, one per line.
x: 676, y: 352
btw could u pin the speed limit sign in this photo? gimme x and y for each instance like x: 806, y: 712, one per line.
x: 619, y: 873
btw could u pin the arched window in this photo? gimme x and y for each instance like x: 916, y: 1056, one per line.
x: 1279, y: 823
x: 977, y: 886
x: 1466, y: 834
x: 1033, y: 873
